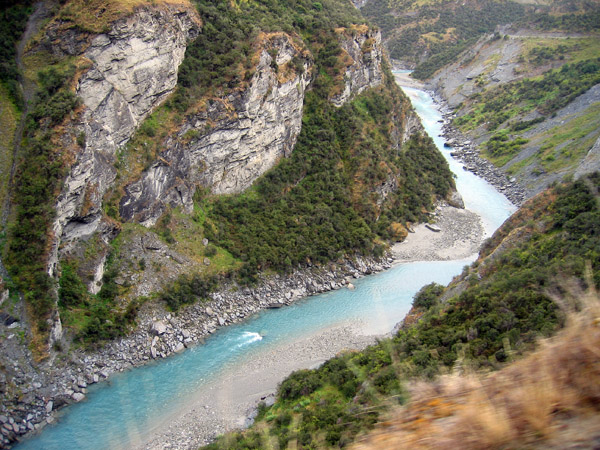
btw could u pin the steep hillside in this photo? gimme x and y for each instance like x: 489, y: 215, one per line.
x: 487, y: 317
x: 113, y: 141
x: 530, y: 101
x: 170, y: 149
x: 547, y: 400
x: 522, y: 79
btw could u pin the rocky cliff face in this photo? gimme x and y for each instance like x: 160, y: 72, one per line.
x: 237, y: 139
x: 133, y: 69
x: 233, y: 140
x: 364, y: 57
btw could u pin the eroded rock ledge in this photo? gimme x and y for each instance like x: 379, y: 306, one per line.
x: 133, y: 68
x: 234, y: 140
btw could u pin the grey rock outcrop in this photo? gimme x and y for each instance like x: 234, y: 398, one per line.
x: 363, y: 71
x: 359, y: 3
x: 456, y: 200
x: 236, y: 139
x: 133, y: 68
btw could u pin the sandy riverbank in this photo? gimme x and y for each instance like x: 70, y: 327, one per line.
x: 461, y: 233
x: 404, y: 79
x: 226, y: 403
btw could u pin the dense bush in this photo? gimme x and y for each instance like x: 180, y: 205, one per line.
x: 501, y: 144
x: 188, y: 289
x: 13, y: 18
x: 427, y: 296
x: 94, y: 318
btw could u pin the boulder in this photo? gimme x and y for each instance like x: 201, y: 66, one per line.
x: 78, y: 396
x: 179, y: 348
x: 158, y: 328
x: 456, y: 200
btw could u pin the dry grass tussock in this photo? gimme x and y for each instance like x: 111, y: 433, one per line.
x: 96, y: 15
x: 549, y: 399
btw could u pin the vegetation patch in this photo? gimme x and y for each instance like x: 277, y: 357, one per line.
x: 94, y: 318
x: 502, y: 147
x: 9, y: 117
x: 13, y: 18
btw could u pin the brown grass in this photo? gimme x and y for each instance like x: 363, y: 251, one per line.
x: 96, y: 15
x: 549, y: 399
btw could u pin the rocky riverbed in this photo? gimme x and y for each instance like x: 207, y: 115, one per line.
x: 65, y: 378
x: 465, y: 151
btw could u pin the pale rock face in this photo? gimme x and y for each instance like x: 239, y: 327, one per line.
x: 359, y: 3
x: 365, y: 70
x: 134, y: 68
x: 248, y: 132
x: 238, y: 139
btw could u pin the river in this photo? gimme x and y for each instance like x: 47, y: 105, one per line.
x: 120, y: 413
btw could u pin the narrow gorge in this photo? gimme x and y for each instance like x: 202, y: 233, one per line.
x: 214, y: 212
x: 141, y: 150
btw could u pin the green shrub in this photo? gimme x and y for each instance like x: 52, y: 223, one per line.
x: 427, y: 296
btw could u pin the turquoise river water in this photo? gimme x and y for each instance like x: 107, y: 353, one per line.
x: 120, y: 412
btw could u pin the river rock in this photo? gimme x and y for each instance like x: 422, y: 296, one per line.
x: 158, y: 328
x: 78, y: 396
x: 179, y: 348
x: 456, y: 200
x: 433, y: 227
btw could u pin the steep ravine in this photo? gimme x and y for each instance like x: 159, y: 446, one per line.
x: 129, y: 71
x: 160, y: 334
